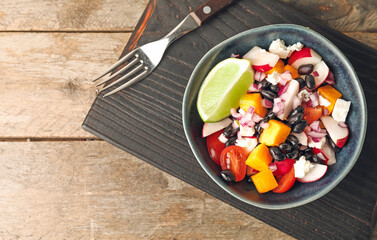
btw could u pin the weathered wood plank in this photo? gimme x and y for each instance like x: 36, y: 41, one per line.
x: 118, y: 15
x: 46, y: 80
x: 70, y: 15
x: 92, y: 190
x: 343, y: 15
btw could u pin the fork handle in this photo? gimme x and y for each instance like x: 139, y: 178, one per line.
x: 210, y: 8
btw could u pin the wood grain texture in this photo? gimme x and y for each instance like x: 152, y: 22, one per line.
x: 343, y: 15
x: 148, y: 113
x: 70, y: 15
x: 47, y: 88
x: 92, y: 190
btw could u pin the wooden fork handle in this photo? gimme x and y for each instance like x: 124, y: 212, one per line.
x: 210, y: 8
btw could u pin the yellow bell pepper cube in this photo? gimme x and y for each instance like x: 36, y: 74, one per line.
x: 276, y: 133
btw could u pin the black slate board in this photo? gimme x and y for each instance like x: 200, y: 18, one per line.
x: 145, y: 120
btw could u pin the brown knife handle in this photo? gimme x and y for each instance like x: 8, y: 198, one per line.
x: 209, y: 8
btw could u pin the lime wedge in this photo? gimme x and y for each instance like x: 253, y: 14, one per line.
x: 223, y: 87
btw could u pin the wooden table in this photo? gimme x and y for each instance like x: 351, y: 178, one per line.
x: 58, y: 181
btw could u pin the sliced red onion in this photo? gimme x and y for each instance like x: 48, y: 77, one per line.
x: 283, y: 89
x: 309, y: 103
x: 235, y: 114
x: 272, y: 166
x: 315, y: 126
x: 264, y: 125
x: 325, y: 112
x: 266, y: 103
x: 253, y: 88
x: 342, y: 124
x: 316, y: 134
x: 250, y: 110
x: 256, y: 118
x: 285, y: 77
x: 315, y: 74
x: 278, y: 106
x: 321, y: 156
x: 330, y: 81
x: 296, y: 102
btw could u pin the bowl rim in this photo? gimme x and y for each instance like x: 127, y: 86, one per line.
x: 363, y: 124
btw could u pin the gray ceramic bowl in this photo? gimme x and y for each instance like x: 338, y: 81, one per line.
x: 346, y: 82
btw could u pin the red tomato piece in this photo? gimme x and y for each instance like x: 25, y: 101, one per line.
x: 233, y: 158
x: 312, y: 114
x: 215, y: 147
x: 286, y: 182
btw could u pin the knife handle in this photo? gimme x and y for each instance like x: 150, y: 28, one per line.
x: 210, y: 8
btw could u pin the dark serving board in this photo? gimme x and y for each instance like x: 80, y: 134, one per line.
x: 145, y: 120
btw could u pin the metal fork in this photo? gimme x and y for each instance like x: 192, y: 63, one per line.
x: 143, y: 60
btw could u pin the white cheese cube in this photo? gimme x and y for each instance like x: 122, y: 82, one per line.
x: 273, y: 78
x: 340, y: 110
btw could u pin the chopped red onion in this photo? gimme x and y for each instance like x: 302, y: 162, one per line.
x: 330, y: 81
x: 250, y: 110
x: 315, y: 139
x: 342, y: 124
x: 264, y: 125
x: 278, y: 106
x: 266, y: 103
x: 315, y: 126
x: 316, y: 135
x: 283, y: 89
x: 248, y: 116
x: 309, y: 103
x: 315, y: 74
x: 234, y: 55
x: 325, y: 112
x: 272, y: 166
x: 321, y: 156
x: 256, y: 118
x: 315, y: 103
x: 235, y: 125
x: 253, y: 88
x: 285, y: 77
x: 235, y: 114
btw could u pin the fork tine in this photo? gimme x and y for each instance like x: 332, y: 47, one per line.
x: 135, y: 70
x: 129, y: 83
x: 115, y: 65
x: 128, y: 66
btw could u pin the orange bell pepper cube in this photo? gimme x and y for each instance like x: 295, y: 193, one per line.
x: 292, y: 70
x: 255, y: 100
x: 276, y: 133
x: 259, y: 158
x: 331, y: 94
x: 264, y: 181
x: 279, y: 67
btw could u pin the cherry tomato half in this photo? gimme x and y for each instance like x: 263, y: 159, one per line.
x: 233, y: 158
x: 312, y: 114
x: 215, y: 147
x: 286, y: 182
